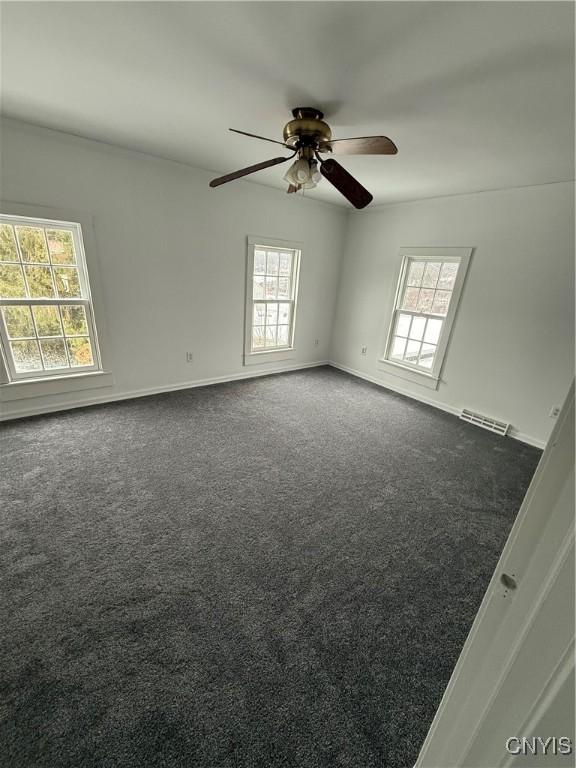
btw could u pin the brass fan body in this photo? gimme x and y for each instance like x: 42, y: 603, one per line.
x: 307, y: 129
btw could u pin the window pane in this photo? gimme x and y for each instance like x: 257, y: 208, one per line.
x: 272, y: 263
x: 8, y: 250
x: 283, y: 288
x: 259, y: 314
x: 398, y: 347
x: 415, y: 273
x: 441, y: 302
x: 258, y: 288
x: 257, y: 337
x: 271, y: 287
x: 271, y: 314
x: 284, y: 314
x: 271, y: 336
x: 74, y: 319
x: 433, y: 329
x: 11, y: 282
x: 67, y: 282
x: 259, y: 262
x: 61, y: 246
x: 410, y: 298
x: 431, y: 274
x: 32, y: 244
x: 448, y: 276
x: 285, y: 264
x: 18, y: 322
x: 54, y: 353
x: 47, y: 321
x: 417, y: 329
x: 412, y: 350
x: 283, y: 334
x: 425, y: 300
x: 26, y: 356
x: 427, y: 355
x: 80, y: 351
x: 403, y: 325
x: 39, y: 282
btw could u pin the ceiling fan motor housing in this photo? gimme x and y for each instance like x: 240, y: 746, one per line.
x: 307, y: 128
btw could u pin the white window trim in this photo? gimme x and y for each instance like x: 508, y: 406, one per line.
x: 31, y: 388
x: 276, y: 355
x: 62, y: 382
x: 405, y: 370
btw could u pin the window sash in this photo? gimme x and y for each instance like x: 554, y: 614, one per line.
x: 415, y: 313
x: 39, y: 302
x: 417, y: 366
x: 290, y: 325
x: 16, y: 375
x: 460, y: 256
x: 84, y: 300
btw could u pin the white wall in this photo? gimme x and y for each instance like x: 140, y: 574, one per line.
x: 511, y: 351
x: 171, y: 257
x: 170, y: 261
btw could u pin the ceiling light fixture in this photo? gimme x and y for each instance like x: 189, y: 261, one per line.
x: 303, y: 173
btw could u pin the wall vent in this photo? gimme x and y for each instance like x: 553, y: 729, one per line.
x: 486, y: 422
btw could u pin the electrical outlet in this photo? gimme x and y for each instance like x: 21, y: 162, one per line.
x: 189, y: 357
x: 363, y: 350
x: 316, y: 342
x: 554, y: 412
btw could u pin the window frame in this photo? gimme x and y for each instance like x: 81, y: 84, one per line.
x: 257, y: 357
x: 16, y: 377
x: 411, y: 371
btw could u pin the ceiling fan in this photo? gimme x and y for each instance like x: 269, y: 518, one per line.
x: 309, y: 137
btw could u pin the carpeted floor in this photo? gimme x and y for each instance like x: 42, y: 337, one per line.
x: 274, y: 572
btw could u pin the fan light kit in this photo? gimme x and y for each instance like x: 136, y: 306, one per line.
x: 303, y: 174
x: 309, y: 137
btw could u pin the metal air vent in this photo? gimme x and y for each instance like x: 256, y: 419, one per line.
x: 486, y: 422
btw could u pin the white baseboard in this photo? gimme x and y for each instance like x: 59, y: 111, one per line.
x: 111, y: 398
x: 524, y: 438
x: 400, y: 390
x: 514, y: 433
x: 37, y: 410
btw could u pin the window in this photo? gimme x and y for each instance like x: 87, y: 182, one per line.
x: 271, y: 297
x: 46, y: 320
x: 428, y: 292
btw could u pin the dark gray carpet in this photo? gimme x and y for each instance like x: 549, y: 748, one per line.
x: 275, y: 572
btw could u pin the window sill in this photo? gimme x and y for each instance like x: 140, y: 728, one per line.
x: 54, y: 385
x: 409, y: 374
x: 260, y: 358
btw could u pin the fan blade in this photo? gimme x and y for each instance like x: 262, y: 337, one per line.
x: 346, y: 184
x: 362, y: 145
x: 246, y: 171
x: 262, y: 138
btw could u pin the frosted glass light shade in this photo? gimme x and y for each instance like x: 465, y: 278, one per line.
x: 303, y: 173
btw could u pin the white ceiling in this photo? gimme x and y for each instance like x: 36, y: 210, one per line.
x: 476, y: 95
